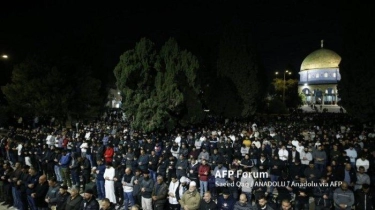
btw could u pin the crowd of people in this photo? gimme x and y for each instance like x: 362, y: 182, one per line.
x: 324, y: 160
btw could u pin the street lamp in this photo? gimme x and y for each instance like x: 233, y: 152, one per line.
x: 5, y: 56
x: 284, y: 85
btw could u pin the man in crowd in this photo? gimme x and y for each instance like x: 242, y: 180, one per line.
x: 89, y: 201
x: 127, y: 184
x: 31, y: 184
x: 74, y: 200
x: 343, y: 197
x: 159, y: 194
x: 225, y: 201
x: 364, y: 198
x: 62, y: 197
x: 172, y: 190
x: 64, y: 168
x: 146, y: 185
x: 203, y: 173
x: 40, y: 193
x: 207, y: 203
x: 53, y: 193
x: 242, y: 204
x: 191, y: 198
x: 262, y: 204
x: 100, y: 179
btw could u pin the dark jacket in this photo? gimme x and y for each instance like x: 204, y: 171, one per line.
x: 148, y: 185
x: 92, y: 204
x: 74, y: 204
x: 302, y: 188
x: 225, y: 204
x: 318, y: 194
x: 203, y: 205
x: 278, y: 164
x: 312, y: 171
x: 160, y: 191
x: 257, y: 207
x: 61, y: 201
x: 53, y: 194
x: 40, y: 194
x: 363, y: 200
x: 295, y: 171
x: 137, y: 187
x: 290, y: 157
x: 264, y: 165
x: 31, y: 180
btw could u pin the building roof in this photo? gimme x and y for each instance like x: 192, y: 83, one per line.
x: 321, y: 59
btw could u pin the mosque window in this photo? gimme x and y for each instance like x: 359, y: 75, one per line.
x: 317, y: 75
x: 326, y: 74
x: 334, y: 74
x: 309, y: 75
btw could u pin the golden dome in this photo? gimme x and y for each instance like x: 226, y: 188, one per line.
x: 321, y: 59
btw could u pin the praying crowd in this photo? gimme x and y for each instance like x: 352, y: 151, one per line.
x: 299, y: 161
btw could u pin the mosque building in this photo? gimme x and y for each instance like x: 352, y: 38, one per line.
x: 319, y: 76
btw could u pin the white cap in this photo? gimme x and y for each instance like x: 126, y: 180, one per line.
x: 183, y: 179
x: 193, y: 183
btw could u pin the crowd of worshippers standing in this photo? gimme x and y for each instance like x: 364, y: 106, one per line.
x: 298, y: 161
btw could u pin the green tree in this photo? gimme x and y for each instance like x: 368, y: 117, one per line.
x: 356, y: 88
x: 61, y: 89
x: 238, y: 61
x: 292, y: 98
x: 159, y: 86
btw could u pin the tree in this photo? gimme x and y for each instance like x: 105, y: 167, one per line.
x: 223, y: 99
x: 159, y: 86
x: 238, y: 61
x: 356, y: 88
x: 52, y: 88
x: 292, y: 98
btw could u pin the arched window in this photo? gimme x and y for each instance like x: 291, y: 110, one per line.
x: 317, y: 75
x: 326, y: 74
x: 334, y: 74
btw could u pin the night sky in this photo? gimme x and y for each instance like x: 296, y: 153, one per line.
x: 285, y: 31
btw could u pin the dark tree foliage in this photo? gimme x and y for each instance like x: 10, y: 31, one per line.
x: 357, y: 88
x: 292, y: 98
x: 223, y: 98
x: 159, y: 86
x: 238, y: 62
x: 52, y: 88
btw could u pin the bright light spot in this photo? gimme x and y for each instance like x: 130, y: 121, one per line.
x: 118, y: 93
x: 4, y: 56
x: 305, y: 84
x: 206, y: 110
x: 117, y: 105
